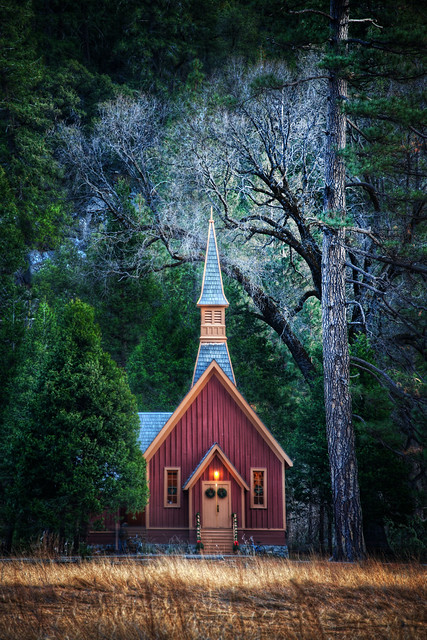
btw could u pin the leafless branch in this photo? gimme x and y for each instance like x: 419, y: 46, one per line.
x: 316, y: 11
x: 410, y: 266
x: 360, y: 283
x: 370, y: 189
x: 371, y: 20
x: 362, y: 313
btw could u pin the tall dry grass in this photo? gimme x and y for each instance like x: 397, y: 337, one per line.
x: 170, y: 599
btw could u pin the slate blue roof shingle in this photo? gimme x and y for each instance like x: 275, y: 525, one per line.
x: 150, y: 426
x: 213, y: 351
x: 212, y: 291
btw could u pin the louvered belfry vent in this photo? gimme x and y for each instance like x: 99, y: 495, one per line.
x: 218, y: 316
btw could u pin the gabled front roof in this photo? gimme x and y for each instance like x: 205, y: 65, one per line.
x: 215, y: 370
x: 212, y: 289
x: 215, y: 449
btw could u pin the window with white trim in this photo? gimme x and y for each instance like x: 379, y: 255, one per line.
x: 172, y: 492
x: 259, y: 488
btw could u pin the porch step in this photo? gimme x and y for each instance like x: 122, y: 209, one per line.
x: 217, y: 541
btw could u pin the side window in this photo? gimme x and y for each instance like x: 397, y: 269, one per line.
x: 172, y: 490
x: 259, y: 488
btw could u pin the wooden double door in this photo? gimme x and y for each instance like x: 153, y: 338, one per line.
x: 216, y: 505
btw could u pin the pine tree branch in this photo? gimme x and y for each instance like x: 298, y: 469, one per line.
x: 418, y: 133
x: 377, y: 437
x: 380, y: 374
x: 358, y: 130
x: 382, y: 47
x: 362, y: 313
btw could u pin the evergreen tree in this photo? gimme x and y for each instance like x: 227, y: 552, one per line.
x: 12, y: 297
x: 19, y: 428
x: 71, y: 432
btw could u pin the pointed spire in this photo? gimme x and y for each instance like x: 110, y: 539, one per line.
x: 212, y: 303
x: 212, y: 289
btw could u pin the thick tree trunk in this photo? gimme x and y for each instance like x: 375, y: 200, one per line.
x: 349, y: 544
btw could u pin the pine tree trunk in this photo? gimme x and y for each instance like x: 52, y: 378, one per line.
x: 349, y: 544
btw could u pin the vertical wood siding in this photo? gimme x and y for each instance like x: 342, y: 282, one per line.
x: 215, y: 417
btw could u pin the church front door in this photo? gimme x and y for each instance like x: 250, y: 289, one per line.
x: 216, y: 505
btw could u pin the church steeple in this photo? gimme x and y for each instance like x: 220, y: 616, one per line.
x: 212, y: 304
x: 212, y: 289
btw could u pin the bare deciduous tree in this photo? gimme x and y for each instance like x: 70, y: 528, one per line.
x: 157, y: 224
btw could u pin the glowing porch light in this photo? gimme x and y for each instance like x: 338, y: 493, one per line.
x: 216, y: 475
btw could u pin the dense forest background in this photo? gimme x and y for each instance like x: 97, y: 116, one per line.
x: 123, y: 123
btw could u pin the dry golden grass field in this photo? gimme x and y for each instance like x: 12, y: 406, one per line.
x: 171, y: 599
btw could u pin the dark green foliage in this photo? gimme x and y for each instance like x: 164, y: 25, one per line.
x: 28, y: 113
x: 263, y: 371
x: 160, y: 368
x: 12, y: 296
x: 150, y: 326
x: 145, y: 45
x: 305, y: 441
x: 383, y: 470
x: 408, y: 539
x: 19, y: 430
x: 70, y: 431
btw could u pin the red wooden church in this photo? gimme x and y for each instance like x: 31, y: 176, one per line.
x: 213, y: 468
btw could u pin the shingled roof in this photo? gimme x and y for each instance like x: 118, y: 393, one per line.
x: 212, y: 290
x: 217, y: 351
x: 151, y: 425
